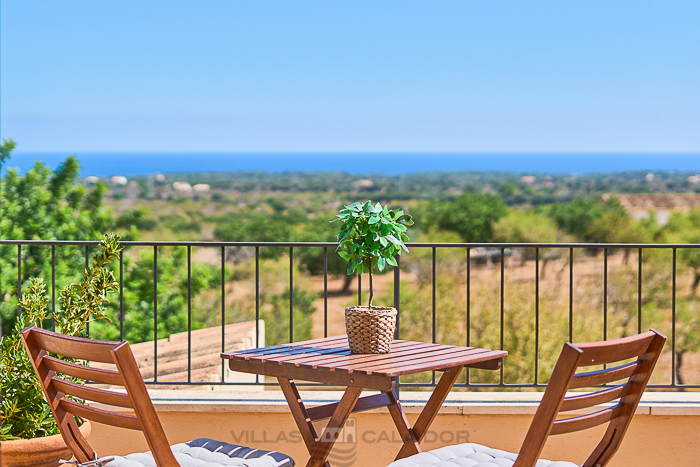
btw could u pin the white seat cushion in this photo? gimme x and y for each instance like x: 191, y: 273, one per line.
x: 468, y: 455
x: 205, y: 452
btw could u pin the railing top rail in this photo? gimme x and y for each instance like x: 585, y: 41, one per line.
x: 334, y: 244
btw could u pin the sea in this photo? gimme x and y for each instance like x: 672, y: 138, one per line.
x: 144, y: 163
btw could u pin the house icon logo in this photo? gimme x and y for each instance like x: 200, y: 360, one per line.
x: 344, y: 452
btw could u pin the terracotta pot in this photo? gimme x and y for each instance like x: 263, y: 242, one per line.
x: 37, y: 452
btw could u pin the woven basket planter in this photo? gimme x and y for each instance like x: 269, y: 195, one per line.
x: 370, y: 331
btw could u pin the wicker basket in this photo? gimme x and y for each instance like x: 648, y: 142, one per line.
x: 370, y: 331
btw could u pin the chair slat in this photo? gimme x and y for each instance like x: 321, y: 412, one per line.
x: 100, y: 416
x: 74, y: 347
x: 92, y: 394
x: 590, y: 399
x: 583, y: 422
x: 596, y: 378
x: 97, y: 375
x: 605, y: 353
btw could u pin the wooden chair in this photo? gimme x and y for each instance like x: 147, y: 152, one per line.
x: 645, y: 348
x: 41, y: 345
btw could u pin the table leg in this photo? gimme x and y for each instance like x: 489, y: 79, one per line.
x: 426, y: 417
x: 410, y: 442
x: 319, y: 448
x: 301, y: 416
x: 335, y: 424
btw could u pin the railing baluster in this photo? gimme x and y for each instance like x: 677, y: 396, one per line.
x: 291, y: 294
x: 189, y: 313
x: 397, y: 296
x: 503, y: 312
x: 155, y: 313
x: 87, y: 258
x: 53, y: 288
x: 121, y: 295
x: 605, y: 297
x: 397, y: 305
x: 673, y: 322
x: 19, y: 278
x: 325, y: 291
x: 537, y: 314
x: 434, y: 277
x: 639, y: 294
x: 257, y: 303
x: 223, y: 312
x: 469, y: 299
x: 571, y: 294
x: 434, y: 323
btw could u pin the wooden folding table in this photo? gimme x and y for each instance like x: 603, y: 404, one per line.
x: 329, y: 361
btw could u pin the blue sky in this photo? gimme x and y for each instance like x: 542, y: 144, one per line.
x: 459, y: 76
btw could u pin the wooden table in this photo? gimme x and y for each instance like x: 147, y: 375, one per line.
x: 329, y: 361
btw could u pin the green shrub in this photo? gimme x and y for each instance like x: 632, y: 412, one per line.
x: 25, y: 413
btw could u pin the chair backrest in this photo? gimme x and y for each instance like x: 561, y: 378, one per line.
x: 631, y: 379
x: 42, y: 345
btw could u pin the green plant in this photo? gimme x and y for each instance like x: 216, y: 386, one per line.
x: 25, y: 413
x: 45, y: 204
x: 370, y: 237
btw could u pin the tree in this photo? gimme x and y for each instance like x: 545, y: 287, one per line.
x: 43, y: 205
x: 275, y: 313
x: 685, y: 228
x: 531, y: 227
x: 256, y: 227
x: 172, y: 296
x: 593, y: 220
x: 471, y: 215
x: 6, y: 148
x: 312, y: 259
x: 527, y: 227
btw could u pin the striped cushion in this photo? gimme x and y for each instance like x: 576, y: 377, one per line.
x: 468, y: 455
x: 205, y: 452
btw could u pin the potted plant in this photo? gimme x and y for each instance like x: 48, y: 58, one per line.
x: 30, y: 436
x: 370, y: 238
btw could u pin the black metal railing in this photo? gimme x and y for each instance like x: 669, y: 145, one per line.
x: 495, y: 254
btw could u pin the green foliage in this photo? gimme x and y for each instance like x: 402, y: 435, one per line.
x: 45, y: 205
x: 597, y: 221
x: 370, y: 237
x: 139, y: 218
x: 312, y: 258
x: 172, y: 295
x: 685, y: 228
x: 25, y: 413
x: 6, y: 148
x: 275, y: 313
x: 256, y: 227
x: 471, y: 215
x: 527, y: 227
